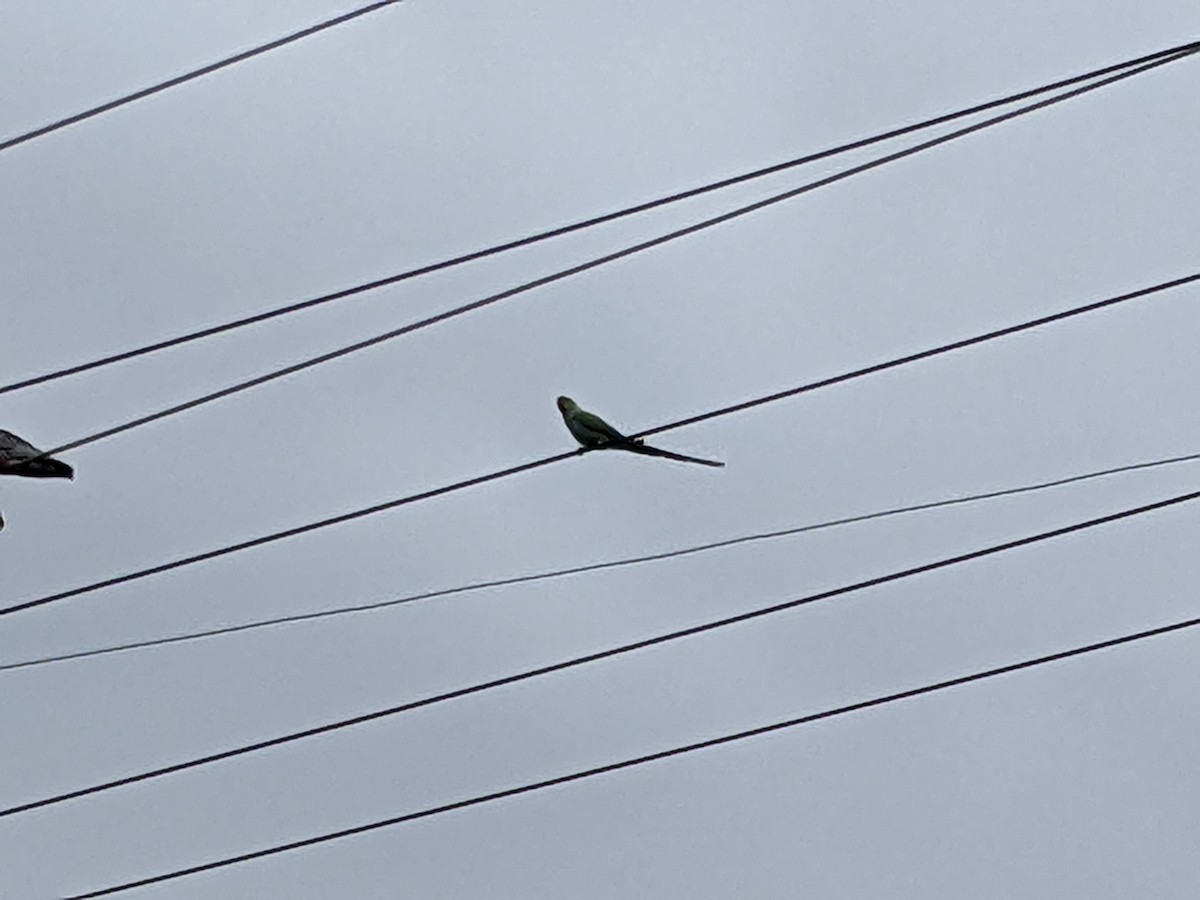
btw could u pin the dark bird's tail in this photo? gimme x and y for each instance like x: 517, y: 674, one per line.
x: 636, y: 446
x: 42, y: 467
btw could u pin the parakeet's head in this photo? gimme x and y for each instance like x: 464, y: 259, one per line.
x: 566, y: 405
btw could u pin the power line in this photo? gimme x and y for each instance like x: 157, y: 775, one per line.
x: 592, y: 567
x: 916, y: 357
x: 545, y: 461
x: 709, y: 743
x: 598, y: 261
x: 196, y: 73
x: 494, y: 249
x: 620, y: 650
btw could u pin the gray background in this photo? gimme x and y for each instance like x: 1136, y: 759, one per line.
x: 433, y: 128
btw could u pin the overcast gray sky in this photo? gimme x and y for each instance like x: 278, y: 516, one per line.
x: 433, y: 128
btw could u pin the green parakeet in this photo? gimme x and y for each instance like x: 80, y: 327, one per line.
x: 594, y: 433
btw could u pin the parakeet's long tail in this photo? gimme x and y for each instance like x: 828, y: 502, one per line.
x: 638, y: 447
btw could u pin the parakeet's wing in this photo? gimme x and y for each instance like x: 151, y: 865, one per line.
x: 593, y: 432
x: 596, y: 426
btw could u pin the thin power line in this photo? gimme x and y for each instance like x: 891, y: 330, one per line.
x: 545, y: 461
x: 598, y: 261
x: 196, y: 73
x: 580, y: 225
x: 709, y: 743
x: 592, y: 567
x: 620, y: 650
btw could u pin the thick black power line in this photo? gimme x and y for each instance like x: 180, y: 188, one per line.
x: 916, y: 357
x: 595, y: 262
x: 708, y: 743
x: 592, y: 567
x: 545, y: 461
x: 609, y: 653
x: 194, y: 74
x: 585, y: 223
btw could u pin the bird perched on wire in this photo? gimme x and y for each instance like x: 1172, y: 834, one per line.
x: 593, y: 433
x: 18, y: 457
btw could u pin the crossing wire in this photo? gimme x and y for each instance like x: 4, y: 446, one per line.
x: 602, y: 260
x: 721, y: 740
x: 494, y: 249
x: 548, y: 460
x: 194, y: 74
x: 590, y: 567
x: 609, y: 653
